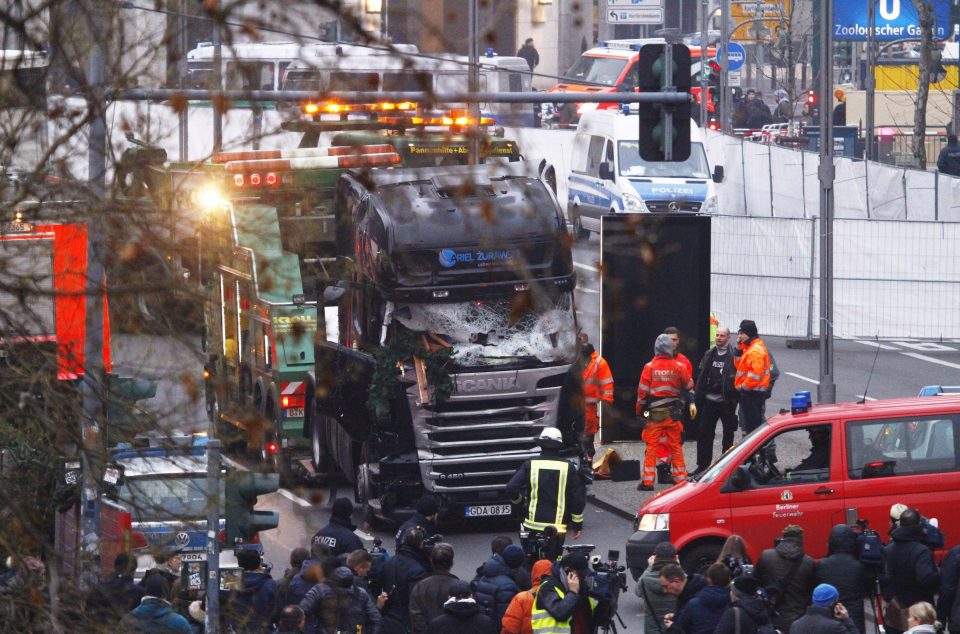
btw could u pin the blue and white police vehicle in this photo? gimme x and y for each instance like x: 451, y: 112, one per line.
x: 607, y: 174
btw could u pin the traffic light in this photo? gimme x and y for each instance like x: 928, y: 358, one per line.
x: 812, y: 108
x: 242, y: 489
x: 656, y: 73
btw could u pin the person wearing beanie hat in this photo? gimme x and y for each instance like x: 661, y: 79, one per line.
x: 555, y: 491
x: 155, y: 614
x: 252, y: 608
x: 338, y: 535
x: 462, y: 614
x: 495, y: 586
x: 826, y: 615
x: 843, y: 569
x: 665, y: 387
x: 562, y: 602
x: 748, y: 611
x: 792, y: 572
x: 424, y: 517
x: 648, y: 588
x: 753, y: 378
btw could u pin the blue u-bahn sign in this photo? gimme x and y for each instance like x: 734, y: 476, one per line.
x: 896, y: 20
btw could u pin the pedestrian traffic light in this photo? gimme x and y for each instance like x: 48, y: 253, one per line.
x: 664, y: 68
x: 241, y: 490
x: 812, y: 108
x: 811, y: 98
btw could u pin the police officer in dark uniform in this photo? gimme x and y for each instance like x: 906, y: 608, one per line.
x: 424, y: 517
x: 338, y: 535
x: 553, y: 485
x: 949, y: 160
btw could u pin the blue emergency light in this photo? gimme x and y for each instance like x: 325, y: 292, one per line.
x: 800, y: 403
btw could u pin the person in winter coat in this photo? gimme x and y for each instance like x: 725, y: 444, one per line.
x: 734, y: 556
x: 400, y: 574
x: 922, y: 619
x: 107, y: 602
x: 656, y: 603
x: 313, y: 570
x: 841, y: 568
x: 155, y: 614
x: 826, y: 615
x: 716, y: 398
x: 252, y: 608
x: 910, y: 575
x: 424, y: 517
x: 748, y: 608
x: 702, y: 614
x: 428, y: 596
x: 461, y: 614
x: 948, y: 608
x: 494, y: 586
x: 291, y: 620
x: 339, y: 534
x: 337, y: 605
x: 563, y: 600
x: 787, y: 571
x: 516, y: 620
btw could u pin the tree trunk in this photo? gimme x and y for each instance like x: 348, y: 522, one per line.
x: 927, y: 20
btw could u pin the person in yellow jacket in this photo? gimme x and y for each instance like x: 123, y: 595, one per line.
x: 752, y: 380
x: 563, y: 604
x: 597, y: 389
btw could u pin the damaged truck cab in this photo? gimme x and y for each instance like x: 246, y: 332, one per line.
x: 456, y: 336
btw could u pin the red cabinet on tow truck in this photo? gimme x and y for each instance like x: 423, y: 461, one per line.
x: 816, y: 467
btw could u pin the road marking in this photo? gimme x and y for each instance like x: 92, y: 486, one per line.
x: 866, y: 398
x: 803, y: 378
x: 926, y: 346
x: 586, y: 267
x: 233, y: 463
x: 296, y: 499
x: 876, y: 344
x: 923, y: 357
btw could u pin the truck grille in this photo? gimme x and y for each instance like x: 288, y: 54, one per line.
x: 663, y: 206
x: 476, y: 441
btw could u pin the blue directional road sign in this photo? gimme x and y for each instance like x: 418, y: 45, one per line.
x: 736, y: 55
x: 896, y: 20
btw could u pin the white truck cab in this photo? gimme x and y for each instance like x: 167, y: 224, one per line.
x: 607, y: 174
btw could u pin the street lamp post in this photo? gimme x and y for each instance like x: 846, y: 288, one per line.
x: 826, y: 389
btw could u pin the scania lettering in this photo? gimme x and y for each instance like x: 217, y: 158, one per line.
x: 446, y: 369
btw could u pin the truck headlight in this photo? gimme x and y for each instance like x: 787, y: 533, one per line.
x: 632, y: 203
x: 710, y: 206
x: 654, y: 522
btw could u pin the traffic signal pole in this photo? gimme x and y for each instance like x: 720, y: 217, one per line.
x: 212, y: 615
x: 826, y: 389
x: 704, y: 60
x: 725, y: 118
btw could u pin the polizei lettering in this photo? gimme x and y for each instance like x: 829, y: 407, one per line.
x: 497, y: 384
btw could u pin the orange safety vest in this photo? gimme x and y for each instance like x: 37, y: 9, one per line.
x: 597, y: 386
x: 753, y: 368
x: 663, y: 379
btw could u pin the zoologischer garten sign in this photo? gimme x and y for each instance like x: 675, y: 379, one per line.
x: 895, y: 20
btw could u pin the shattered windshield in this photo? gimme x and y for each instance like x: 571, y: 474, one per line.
x: 496, y: 332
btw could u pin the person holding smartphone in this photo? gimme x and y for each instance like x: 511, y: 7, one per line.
x: 826, y: 615
x: 563, y: 603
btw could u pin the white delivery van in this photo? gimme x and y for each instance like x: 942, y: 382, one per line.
x: 607, y: 174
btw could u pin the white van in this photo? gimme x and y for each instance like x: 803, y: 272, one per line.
x: 607, y: 174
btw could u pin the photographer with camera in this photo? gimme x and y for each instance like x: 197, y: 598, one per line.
x: 563, y: 603
x: 423, y: 517
x: 843, y: 569
x: 557, y: 494
x: 400, y: 574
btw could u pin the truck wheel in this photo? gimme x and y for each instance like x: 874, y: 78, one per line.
x: 363, y: 492
x: 579, y: 233
x: 699, y: 558
x: 318, y: 444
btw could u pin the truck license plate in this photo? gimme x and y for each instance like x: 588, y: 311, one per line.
x: 488, y: 510
x: 294, y: 412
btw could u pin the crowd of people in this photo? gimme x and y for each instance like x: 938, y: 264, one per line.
x: 787, y: 591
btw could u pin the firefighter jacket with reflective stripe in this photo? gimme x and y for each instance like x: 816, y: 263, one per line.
x: 597, y: 386
x: 557, y: 495
x: 541, y: 621
x: 753, y: 367
x: 663, y: 381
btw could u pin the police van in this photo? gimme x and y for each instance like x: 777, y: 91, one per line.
x: 607, y: 174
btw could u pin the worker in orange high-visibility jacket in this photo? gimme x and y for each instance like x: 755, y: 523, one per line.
x: 752, y: 380
x: 663, y: 452
x: 597, y: 389
x: 665, y: 388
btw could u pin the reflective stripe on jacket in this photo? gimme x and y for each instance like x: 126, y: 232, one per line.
x: 597, y: 386
x: 753, y: 368
x: 556, y: 493
x: 541, y: 622
x: 663, y: 379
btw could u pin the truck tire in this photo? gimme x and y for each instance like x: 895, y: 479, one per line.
x: 319, y: 451
x: 579, y: 233
x: 699, y: 558
x: 363, y: 491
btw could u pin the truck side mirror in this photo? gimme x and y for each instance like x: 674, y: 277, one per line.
x: 718, y: 173
x: 332, y: 295
x: 606, y: 173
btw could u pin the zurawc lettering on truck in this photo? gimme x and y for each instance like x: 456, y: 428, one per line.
x: 449, y: 258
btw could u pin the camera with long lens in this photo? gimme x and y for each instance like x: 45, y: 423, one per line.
x: 869, y: 546
x: 545, y: 544
x: 605, y: 582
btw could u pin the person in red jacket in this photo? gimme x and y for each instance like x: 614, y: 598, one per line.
x: 597, y: 389
x: 665, y: 386
x: 663, y: 452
